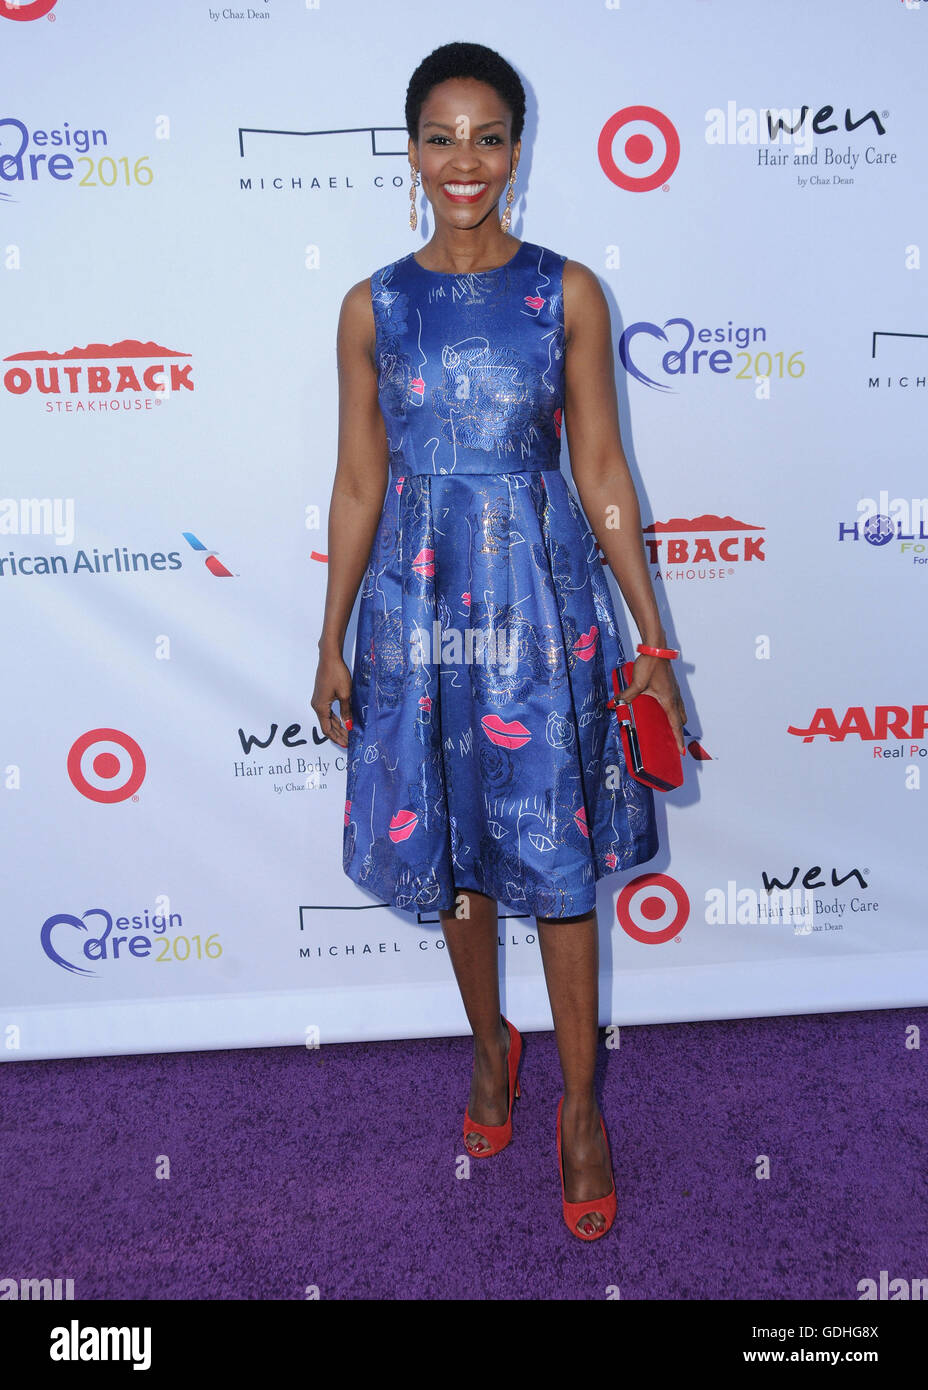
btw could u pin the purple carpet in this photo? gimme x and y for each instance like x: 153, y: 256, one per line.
x: 337, y: 1168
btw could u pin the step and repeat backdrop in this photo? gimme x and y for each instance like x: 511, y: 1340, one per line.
x: 187, y: 191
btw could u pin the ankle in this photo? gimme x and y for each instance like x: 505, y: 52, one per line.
x: 488, y: 1045
x: 580, y: 1105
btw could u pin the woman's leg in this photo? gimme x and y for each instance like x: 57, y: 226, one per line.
x: 474, y: 950
x: 570, y: 955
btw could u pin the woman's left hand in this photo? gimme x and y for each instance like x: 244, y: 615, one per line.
x: 653, y: 675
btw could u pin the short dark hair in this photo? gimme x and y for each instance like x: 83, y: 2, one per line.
x: 465, y: 60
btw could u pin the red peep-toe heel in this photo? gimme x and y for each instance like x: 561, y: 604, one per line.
x: 574, y: 1212
x: 498, y: 1136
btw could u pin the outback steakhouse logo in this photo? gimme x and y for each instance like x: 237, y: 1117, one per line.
x: 101, y: 376
x: 707, y: 539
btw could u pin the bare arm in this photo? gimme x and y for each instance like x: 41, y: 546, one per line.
x: 358, y: 491
x: 602, y: 477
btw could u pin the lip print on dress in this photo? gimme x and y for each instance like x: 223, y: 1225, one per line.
x: 580, y: 818
x: 399, y: 486
x: 534, y: 302
x: 402, y: 825
x: 585, y: 645
x: 347, y: 812
x: 424, y: 563
x: 417, y: 387
x: 511, y: 735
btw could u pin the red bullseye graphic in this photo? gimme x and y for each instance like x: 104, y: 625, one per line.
x: 37, y: 9
x: 639, y: 149
x: 653, y: 908
x: 106, y: 765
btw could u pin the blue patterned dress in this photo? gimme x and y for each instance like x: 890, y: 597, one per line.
x: 482, y: 753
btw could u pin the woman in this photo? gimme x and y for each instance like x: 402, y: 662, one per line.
x: 483, y: 763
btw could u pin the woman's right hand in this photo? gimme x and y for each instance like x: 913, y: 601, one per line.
x: 333, y: 682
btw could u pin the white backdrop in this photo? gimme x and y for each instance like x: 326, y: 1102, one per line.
x: 186, y: 193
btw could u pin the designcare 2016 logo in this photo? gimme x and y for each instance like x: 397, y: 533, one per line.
x: 99, y: 937
x: 645, y: 357
x: 69, y: 155
x: 132, y: 937
x: 128, y: 375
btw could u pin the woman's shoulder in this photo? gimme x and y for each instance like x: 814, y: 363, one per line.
x: 581, y: 287
x: 579, y: 274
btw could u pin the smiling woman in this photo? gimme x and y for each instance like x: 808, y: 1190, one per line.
x: 475, y: 781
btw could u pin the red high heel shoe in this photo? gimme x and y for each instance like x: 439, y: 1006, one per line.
x: 498, y: 1136
x: 574, y: 1212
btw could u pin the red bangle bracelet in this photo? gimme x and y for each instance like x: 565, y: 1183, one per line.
x: 666, y: 652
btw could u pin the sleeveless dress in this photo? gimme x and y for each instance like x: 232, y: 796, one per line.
x: 482, y: 754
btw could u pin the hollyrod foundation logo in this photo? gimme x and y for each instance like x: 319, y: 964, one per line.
x: 100, y: 378
x: 899, y: 526
x: 702, y: 547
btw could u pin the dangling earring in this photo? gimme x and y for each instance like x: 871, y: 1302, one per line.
x: 504, y: 220
x: 413, y: 216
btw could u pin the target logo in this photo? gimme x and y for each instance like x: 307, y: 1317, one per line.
x: 653, y: 908
x: 106, y: 765
x: 26, y: 9
x: 647, y: 153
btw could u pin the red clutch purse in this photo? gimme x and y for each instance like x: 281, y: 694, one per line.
x: 651, y: 752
